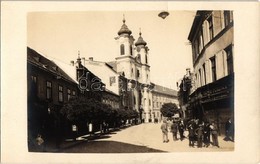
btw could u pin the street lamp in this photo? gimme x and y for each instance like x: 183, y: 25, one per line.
x: 163, y: 14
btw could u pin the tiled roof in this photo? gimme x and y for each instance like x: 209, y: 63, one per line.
x: 48, y: 65
x: 164, y: 90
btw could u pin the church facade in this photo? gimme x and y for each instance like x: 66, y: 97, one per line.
x: 132, y: 61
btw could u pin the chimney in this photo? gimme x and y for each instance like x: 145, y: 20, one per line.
x: 90, y: 58
x: 72, y: 62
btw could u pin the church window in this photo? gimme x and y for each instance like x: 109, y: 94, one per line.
x: 131, y: 51
x: 122, y: 49
x: 138, y: 74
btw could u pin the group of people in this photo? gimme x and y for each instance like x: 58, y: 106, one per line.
x: 174, y: 127
x: 199, y: 132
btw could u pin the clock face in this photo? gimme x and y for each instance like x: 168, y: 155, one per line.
x: 138, y: 49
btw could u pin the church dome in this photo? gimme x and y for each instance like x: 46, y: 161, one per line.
x: 140, y: 40
x: 124, y: 29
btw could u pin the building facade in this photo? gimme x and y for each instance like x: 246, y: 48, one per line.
x: 160, y: 96
x: 49, y: 87
x: 51, y: 84
x: 132, y: 61
x: 212, y: 40
x: 184, y: 92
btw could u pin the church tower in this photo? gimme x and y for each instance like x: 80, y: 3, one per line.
x: 125, y: 51
x: 132, y: 60
x: 142, y: 52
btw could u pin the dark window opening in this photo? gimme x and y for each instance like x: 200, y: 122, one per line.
x: 60, y: 93
x: 230, y: 67
x: 131, y: 51
x: 48, y: 90
x: 69, y: 94
x: 122, y: 49
x: 204, y: 70
x: 213, y: 69
x: 211, y: 32
x: 138, y: 74
x: 228, y: 17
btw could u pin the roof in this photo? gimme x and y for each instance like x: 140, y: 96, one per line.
x: 113, y: 65
x: 69, y: 69
x: 111, y: 92
x: 164, y: 90
x: 124, y: 29
x: 140, y: 40
x: 199, y: 17
x: 50, y: 65
x: 98, y: 67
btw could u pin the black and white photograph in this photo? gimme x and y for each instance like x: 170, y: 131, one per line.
x: 123, y: 88
x: 145, y: 83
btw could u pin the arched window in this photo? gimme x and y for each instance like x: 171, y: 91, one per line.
x: 122, y: 49
x: 146, y: 60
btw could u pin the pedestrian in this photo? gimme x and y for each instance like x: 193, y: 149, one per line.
x: 74, y: 132
x: 181, y: 130
x: 90, y: 128
x: 214, y: 133
x: 199, y: 133
x: 206, y: 134
x: 40, y: 143
x: 191, y: 135
x: 169, y: 123
x: 174, y: 130
x: 228, y: 130
x: 164, y: 129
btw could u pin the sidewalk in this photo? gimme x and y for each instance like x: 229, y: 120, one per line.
x: 50, y: 146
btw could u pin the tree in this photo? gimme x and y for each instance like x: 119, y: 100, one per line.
x: 82, y: 109
x: 169, y: 109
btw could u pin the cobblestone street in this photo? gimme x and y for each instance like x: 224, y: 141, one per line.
x: 140, y: 139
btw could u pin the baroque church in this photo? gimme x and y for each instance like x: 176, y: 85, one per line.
x: 132, y: 61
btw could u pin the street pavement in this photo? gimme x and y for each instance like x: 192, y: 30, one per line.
x: 141, y: 138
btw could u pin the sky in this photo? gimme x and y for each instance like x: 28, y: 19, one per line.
x: 61, y: 35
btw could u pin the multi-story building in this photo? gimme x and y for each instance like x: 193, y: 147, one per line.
x: 212, y: 41
x: 116, y: 84
x: 184, y: 91
x: 49, y: 87
x: 160, y: 96
x: 51, y: 84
